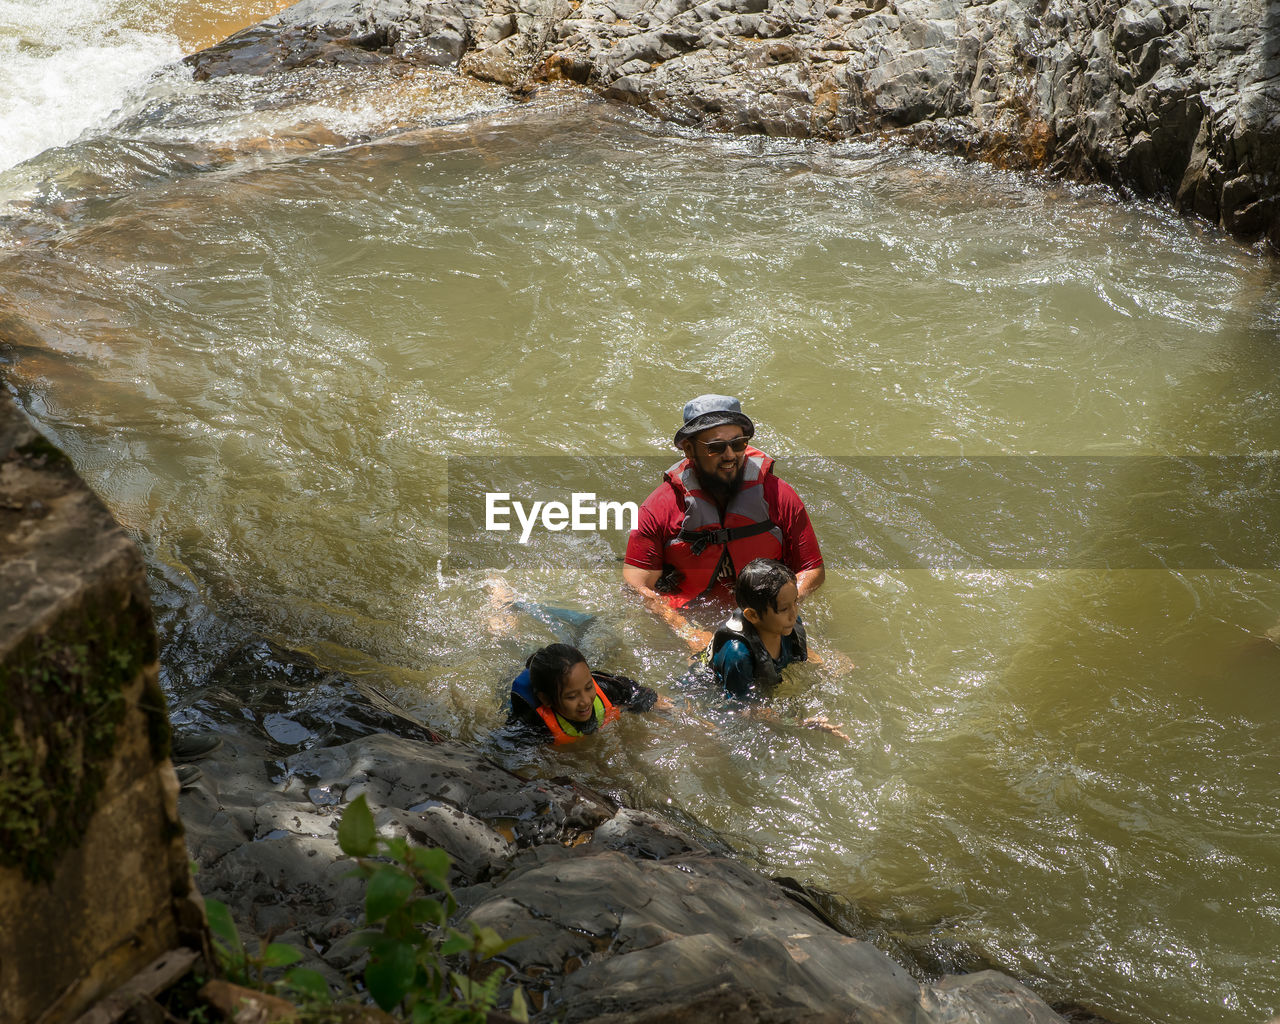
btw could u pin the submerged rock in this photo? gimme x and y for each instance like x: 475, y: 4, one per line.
x: 1179, y: 100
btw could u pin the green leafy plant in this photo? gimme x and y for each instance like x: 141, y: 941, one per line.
x: 408, y: 904
x: 244, y: 967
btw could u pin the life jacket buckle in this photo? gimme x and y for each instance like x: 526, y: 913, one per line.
x: 705, y: 540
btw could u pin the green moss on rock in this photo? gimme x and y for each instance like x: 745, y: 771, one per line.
x: 61, y: 703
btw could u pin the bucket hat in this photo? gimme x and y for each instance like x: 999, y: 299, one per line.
x: 707, y: 411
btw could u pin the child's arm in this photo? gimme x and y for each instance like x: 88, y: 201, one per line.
x: 525, y: 724
x: 630, y: 695
x: 833, y: 659
x: 821, y: 722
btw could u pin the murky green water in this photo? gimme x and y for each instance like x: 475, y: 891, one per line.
x: 263, y: 354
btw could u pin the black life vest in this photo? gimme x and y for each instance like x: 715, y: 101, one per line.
x: 766, y: 672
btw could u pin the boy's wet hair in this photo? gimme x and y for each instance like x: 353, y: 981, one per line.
x: 759, y: 583
x: 549, y: 667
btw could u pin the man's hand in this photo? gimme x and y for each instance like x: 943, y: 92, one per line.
x: 697, y: 639
x: 642, y: 581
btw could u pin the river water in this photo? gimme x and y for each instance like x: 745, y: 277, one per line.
x: 291, y: 329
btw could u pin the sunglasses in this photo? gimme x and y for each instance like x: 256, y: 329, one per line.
x: 738, y: 444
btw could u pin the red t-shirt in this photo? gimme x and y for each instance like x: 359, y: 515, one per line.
x: 662, y: 515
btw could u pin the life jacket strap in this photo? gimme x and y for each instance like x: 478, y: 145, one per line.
x: 699, y: 541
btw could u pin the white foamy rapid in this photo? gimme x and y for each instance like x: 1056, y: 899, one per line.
x: 66, y: 65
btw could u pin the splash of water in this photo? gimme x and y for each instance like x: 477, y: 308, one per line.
x: 65, y: 67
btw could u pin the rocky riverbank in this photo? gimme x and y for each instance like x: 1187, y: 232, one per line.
x: 625, y: 916
x: 1177, y: 100
x: 95, y: 888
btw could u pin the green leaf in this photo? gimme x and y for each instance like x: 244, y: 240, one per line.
x: 389, y: 889
x: 397, y: 925
x: 464, y: 987
x: 356, y: 835
x: 309, y: 983
x: 432, y: 864
x: 519, y: 1006
x: 366, y: 940
x: 489, y: 943
x: 222, y: 925
x: 279, y: 954
x: 398, y: 849
x: 479, y: 995
x: 456, y: 943
x: 390, y: 972
x: 425, y: 911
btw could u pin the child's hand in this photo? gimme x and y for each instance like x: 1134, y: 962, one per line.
x: 662, y: 703
x: 820, y: 722
x: 833, y: 660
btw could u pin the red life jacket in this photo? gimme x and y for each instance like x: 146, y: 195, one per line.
x: 692, y: 556
x: 564, y: 731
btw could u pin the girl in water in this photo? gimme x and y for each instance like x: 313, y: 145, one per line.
x: 558, y: 698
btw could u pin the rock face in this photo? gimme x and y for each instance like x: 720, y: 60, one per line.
x: 625, y: 917
x: 1178, y: 99
x: 94, y: 881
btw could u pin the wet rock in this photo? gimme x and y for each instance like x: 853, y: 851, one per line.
x: 642, y: 835
x: 94, y: 885
x: 1178, y: 99
x: 624, y: 915
x: 478, y: 851
x: 987, y: 995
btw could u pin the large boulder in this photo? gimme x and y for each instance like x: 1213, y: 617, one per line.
x: 94, y: 879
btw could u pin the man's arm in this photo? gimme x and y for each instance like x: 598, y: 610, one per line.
x: 799, y: 543
x: 809, y: 580
x: 804, y: 557
x: 642, y: 567
x: 642, y: 581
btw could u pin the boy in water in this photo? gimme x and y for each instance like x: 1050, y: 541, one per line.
x: 764, y: 635
x: 558, y: 697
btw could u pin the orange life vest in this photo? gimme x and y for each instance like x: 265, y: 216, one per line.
x: 564, y: 731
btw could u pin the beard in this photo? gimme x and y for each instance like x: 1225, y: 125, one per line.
x: 719, y: 491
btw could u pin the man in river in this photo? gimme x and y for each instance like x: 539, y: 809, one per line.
x: 715, y: 511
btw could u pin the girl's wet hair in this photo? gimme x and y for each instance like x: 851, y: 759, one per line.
x: 549, y: 667
x: 758, y: 585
